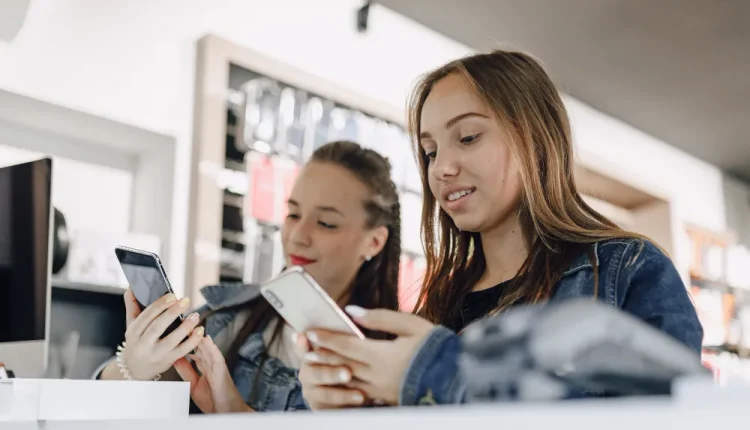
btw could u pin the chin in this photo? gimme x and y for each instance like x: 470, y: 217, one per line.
x: 466, y: 222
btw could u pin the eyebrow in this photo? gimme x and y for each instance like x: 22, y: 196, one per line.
x: 320, y: 208
x: 453, y: 121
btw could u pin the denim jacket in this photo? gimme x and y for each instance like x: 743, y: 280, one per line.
x: 634, y: 276
x: 278, y: 387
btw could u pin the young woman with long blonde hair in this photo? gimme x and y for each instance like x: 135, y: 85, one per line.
x: 503, y: 225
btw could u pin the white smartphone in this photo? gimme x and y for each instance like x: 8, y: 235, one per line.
x: 304, y: 305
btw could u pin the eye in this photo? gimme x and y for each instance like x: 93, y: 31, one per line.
x: 326, y: 225
x: 469, y: 139
x: 292, y: 216
x: 430, y: 155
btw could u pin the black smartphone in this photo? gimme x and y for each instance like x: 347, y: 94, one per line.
x: 146, y: 277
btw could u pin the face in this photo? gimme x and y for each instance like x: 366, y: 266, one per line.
x: 471, y: 170
x: 325, y: 230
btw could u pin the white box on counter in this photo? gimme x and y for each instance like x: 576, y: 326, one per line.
x: 69, y: 399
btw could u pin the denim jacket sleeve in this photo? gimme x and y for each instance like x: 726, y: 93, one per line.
x: 653, y: 291
x: 433, y: 376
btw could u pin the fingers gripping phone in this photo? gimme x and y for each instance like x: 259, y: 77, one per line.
x: 147, y: 278
x: 304, y: 305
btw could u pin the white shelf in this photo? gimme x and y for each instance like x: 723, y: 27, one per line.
x: 79, y: 286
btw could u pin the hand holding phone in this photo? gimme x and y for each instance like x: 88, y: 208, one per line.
x: 147, y: 279
x: 304, y: 305
x: 158, y: 333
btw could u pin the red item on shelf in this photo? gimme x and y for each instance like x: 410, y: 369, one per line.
x: 418, y: 274
x: 260, y: 202
x: 715, y: 370
x: 404, y: 279
x: 289, y: 170
x: 410, y: 283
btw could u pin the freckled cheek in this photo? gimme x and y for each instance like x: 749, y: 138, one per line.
x: 433, y: 186
x: 284, y: 239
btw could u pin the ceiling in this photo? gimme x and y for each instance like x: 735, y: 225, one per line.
x: 676, y: 69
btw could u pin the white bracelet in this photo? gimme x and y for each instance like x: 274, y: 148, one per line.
x: 124, y: 370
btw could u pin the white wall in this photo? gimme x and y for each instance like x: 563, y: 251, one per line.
x: 737, y: 198
x: 108, y: 209
x: 133, y: 61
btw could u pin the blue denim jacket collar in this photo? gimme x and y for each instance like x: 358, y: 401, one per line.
x: 583, y: 262
x: 223, y: 296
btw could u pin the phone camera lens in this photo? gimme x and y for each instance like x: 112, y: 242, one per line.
x: 271, y: 297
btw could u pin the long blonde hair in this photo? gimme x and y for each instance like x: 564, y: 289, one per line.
x: 557, y: 223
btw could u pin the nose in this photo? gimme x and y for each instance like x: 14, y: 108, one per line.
x: 301, y: 233
x: 445, y: 165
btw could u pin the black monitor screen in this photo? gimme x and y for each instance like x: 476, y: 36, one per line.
x: 25, y: 211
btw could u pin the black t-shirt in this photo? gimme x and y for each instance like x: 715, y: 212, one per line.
x: 478, y: 304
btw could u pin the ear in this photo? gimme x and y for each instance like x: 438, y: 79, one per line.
x: 375, y: 241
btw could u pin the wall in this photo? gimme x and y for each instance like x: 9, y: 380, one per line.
x: 737, y: 197
x: 133, y: 61
x: 107, y: 211
x: 694, y: 187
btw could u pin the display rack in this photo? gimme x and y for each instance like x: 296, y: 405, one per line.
x: 272, y: 128
x: 256, y: 121
x: 720, y: 287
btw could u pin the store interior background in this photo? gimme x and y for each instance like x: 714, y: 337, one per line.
x: 124, y: 75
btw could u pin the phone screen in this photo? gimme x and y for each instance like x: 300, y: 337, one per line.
x: 145, y: 276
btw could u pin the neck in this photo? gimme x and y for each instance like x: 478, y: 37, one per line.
x: 505, y: 249
x: 342, y: 293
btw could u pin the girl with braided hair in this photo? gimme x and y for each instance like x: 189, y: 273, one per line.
x: 343, y: 226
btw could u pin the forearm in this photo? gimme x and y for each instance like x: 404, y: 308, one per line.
x: 110, y: 372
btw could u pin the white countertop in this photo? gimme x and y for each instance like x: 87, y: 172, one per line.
x: 117, y: 405
x: 581, y: 415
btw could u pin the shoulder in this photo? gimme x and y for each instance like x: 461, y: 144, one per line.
x: 221, y: 296
x: 631, y: 267
x: 224, y: 312
x: 620, y: 263
x: 629, y: 254
x: 614, y: 254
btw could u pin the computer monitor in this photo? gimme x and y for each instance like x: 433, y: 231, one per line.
x: 26, y: 225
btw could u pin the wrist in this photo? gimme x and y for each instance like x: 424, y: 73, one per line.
x: 111, y: 372
x: 239, y: 405
x: 236, y: 406
x: 126, y: 372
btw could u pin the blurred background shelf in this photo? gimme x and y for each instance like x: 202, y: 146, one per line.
x: 85, y: 287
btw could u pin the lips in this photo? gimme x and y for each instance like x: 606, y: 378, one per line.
x: 455, y: 197
x: 455, y: 192
x: 298, y: 260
